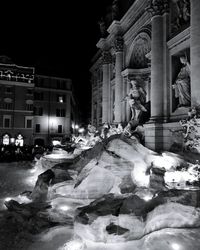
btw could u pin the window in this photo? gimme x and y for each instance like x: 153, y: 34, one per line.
x: 28, y: 121
x: 8, y: 105
x: 6, y: 121
x: 41, y: 82
x: 59, y: 128
x: 58, y: 83
x: 38, y: 96
x: 61, y: 98
x: 29, y: 107
x: 37, y: 128
x: 29, y: 92
x: 38, y: 111
x: 63, y: 84
x: 8, y: 90
x: 60, y: 112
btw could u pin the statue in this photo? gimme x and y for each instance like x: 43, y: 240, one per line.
x: 115, y: 9
x: 105, y: 130
x: 182, y: 8
x: 136, y: 99
x: 182, y: 84
x: 102, y: 26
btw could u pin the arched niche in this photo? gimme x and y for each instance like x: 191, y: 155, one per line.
x: 8, y: 100
x: 29, y: 101
x: 141, y: 45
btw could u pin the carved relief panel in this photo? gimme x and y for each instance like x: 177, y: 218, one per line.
x: 180, y: 15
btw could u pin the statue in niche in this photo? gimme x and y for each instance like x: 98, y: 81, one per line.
x: 102, y: 27
x: 115, y: 10
x: 136, y: 99
x: 182, y: 83
x: 182, y: 13
x: 148, y: 56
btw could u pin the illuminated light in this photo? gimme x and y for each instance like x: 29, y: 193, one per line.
x: 147, y: 198
x: 175, y: 246
x: 81, y: 130
x: 60, y: 99
x: 73, y: 245
x: 31, y: 180
x: 53, y: 121
x: 59, y: 156
x: 64, y: 208
x: 32, y: 170
x: 23, y: 199
x: 12, y: 140
x: 56, y: 142
x: 76, y: 126
x: 6, y: 139
x: 139, y: 175
x: 8, y: 199
x: 179, y: 177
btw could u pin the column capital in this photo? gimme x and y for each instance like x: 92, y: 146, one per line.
x: 106, y: 57
x: 158, y: 7
x: 118, y: 44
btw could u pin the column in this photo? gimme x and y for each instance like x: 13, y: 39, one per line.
x: 195, y: 52
x: 154, y: 129
x: 118, y: 45
x: 106, y: 60
x: 128, y: 111
x: 98, y: 104
x: 123, y: 112
x: 92, y: 102
x: 157, y: 9
x: 166, y: 71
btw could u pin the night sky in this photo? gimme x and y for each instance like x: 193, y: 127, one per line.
x: 58, y: 39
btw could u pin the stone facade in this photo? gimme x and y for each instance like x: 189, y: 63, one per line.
x: 147, y: 43
x: 33, y: 108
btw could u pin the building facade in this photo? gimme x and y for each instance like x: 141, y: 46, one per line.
x: 34, y: 109
x: 156, y: 43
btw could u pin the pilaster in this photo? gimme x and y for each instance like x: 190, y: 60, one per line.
x: 118, y: 46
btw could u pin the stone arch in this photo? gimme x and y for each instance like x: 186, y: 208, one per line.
x: 140, y: 46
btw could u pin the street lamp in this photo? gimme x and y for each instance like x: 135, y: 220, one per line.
x: 81, y: 130
x: 76, y: 129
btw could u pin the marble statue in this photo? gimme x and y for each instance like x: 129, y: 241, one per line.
x: 102, y: 27
x: 136, y: 99
x: 182, y: 8
x: 182, y: 83
x: 115, y: 10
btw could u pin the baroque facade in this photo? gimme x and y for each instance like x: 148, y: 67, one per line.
x: 34, y: 109
x: 157, y: 44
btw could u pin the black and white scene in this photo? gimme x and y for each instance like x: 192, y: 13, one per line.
x: 100, y: 125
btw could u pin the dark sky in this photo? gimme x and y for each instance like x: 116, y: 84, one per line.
x: 58, y: 38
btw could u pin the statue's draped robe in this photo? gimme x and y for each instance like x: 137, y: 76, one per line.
x: 182, y: 86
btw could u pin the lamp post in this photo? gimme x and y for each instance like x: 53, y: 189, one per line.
x: 76, y: 129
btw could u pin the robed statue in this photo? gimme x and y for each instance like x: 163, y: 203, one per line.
x: 182, y: 83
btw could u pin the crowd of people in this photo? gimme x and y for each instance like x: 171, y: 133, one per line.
x: 9, y: 153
